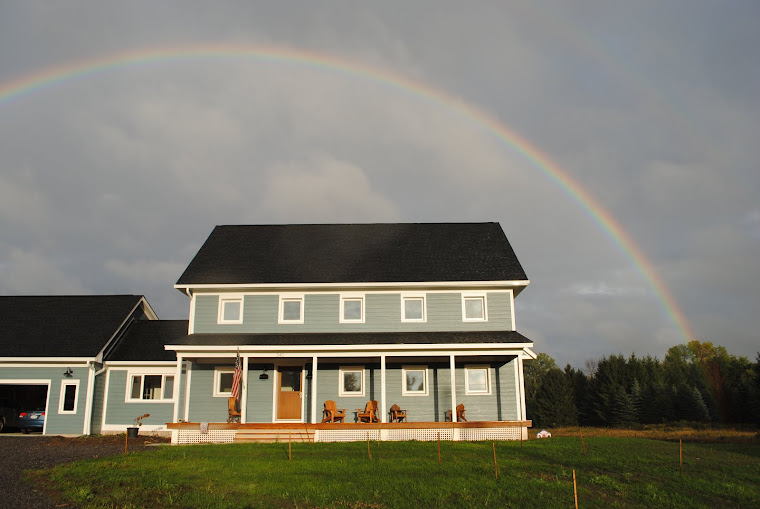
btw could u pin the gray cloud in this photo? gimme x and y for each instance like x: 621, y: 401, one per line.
x: 110, y: 181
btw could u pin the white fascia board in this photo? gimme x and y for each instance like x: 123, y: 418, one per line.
x: 46, y: 361
x: 120, y: 329
x: 530, y: 353
x: 132, y: 364
x: 405, y: 284
x: 231, y: 350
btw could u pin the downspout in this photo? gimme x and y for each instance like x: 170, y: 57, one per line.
x: 87, y: 428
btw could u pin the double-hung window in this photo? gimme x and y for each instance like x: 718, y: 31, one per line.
x: 477, y: 380
x: 413, y: 308
x: 414, y: 381
x: 230, y: 310
x: 351, y: 381
x: 352, y: 309
x: 291, y: 309
x: 474, y: 308
x: 150, y: 387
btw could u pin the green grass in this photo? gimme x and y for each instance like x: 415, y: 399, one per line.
x: 618, y: 472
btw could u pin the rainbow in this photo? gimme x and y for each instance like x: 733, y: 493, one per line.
x: 52, y: 76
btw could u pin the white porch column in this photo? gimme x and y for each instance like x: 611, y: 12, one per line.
x: 88, y: 402
x: 244, y: 391
x: 521, y: 388
x: 383, y: 405
x: 314, y: 390
x: 177, y: 386
x: 452, y: 367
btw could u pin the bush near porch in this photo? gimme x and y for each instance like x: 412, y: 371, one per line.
x: 627, y: 472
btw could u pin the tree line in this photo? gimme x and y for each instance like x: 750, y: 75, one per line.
x: 696, y: 382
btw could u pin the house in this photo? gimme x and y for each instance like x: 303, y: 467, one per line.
x: 415, y: 315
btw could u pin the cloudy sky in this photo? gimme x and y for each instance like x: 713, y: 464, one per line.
x: 111, y: 179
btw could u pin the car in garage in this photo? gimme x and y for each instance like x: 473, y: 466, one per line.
x: 8, y: 414
x: 31, y: 420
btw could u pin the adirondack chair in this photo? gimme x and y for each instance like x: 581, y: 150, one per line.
x: 370, y: 412
x: 397, y: 414
x: 460, y: 413
x: 331, y: 413
x: 233, y: 414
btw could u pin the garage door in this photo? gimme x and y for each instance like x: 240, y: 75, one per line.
x: 16, y: 397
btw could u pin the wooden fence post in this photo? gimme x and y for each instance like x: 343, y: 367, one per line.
x: 680, y: 454
x: 495, y: 465
x: 583, y: 443
x: 575, y: 490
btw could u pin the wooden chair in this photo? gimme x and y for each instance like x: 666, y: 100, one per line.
x: 397, y: 414
x: 331, y: 413
x: 370, y: 412
x: 233, y: 414
x: 460, y: 414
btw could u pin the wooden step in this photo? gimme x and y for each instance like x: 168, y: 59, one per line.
x: 273, y: 435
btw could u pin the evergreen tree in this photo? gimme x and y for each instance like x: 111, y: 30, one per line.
x: 555, y: 401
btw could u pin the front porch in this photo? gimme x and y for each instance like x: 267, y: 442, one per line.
x: 223, y: 432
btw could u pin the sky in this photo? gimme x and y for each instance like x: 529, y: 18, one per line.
x: 617, y: 143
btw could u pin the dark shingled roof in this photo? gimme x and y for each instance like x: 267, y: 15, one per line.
x: 351, y: 338
x: 145, y: 340
x: 354, y: 253
x: 62, y: 325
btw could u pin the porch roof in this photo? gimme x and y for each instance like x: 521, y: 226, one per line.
x: 352, y: 338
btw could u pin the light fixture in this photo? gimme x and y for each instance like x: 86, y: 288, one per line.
x: 264, y: 375
x: 68, y: 373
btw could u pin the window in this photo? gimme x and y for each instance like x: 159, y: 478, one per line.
x: 477, y: 380
x: 69, y: 397
x: 151, y: 387
x: 474, y: 308
x: 413, y: 309
x: 352, y: 310
x: 351, y: 381
x: 223, y: 381
x: 414, y: 381
x: 230, y: 310
x: 291, y: 310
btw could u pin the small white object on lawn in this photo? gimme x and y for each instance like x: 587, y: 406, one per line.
x: 543, y: 434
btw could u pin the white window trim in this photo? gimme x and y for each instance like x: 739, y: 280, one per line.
x: 348, y: 297
x: 281, y: 312
x: 483, y: 296
x: 424, y: 308
x: 130, y: 375
x: 467, y: 389
x: 64, y: 383
x: 341, y: 389
x: 404, y: 391
x: 220, y: 313
x: 218, y: 370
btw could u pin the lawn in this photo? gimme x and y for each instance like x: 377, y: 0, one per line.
x: 623, y: 472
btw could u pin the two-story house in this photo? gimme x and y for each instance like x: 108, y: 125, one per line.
x: 420, y: 316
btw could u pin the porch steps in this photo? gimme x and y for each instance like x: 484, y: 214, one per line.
x: 274, y: 435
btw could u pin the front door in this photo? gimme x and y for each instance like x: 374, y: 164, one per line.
x: 289, y: 392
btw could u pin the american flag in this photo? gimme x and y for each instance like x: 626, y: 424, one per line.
x: 236, y: 377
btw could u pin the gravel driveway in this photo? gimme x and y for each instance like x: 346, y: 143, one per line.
x: 20, y: 453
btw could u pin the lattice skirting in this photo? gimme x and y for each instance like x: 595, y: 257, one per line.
x: 213, y: 436
x: 423, y: 435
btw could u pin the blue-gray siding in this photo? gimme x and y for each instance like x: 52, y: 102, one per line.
x: 382, y: 314
x: 121, y: 412
x: 55, y: 422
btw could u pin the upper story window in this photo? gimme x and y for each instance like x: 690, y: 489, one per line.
x: 413, y: 309
x: 352, y: 309
x: 151, y: 387
x: 477, y: 380
x: 474, y: 308
x: 291, y: 310
x: 230, y: 310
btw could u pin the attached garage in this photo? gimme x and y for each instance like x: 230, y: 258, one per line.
x: 22, y: 395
